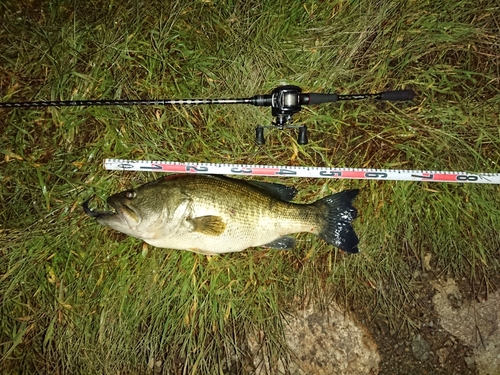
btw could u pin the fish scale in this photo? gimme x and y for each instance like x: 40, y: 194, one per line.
x: 253, y: 218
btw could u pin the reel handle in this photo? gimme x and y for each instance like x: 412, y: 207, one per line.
x: 301, y: 138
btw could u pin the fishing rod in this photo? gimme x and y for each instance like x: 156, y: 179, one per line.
x: 285, y: 101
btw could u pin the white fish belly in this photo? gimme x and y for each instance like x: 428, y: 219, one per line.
x: 231, y: 240
x: 238, y: 235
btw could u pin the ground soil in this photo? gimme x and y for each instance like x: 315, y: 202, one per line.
x: 447, y: 355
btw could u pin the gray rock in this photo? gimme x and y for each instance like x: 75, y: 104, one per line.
x: 470, y: 362
x: 323, y: 343
x: 420, y: 348
x: 474, y: 323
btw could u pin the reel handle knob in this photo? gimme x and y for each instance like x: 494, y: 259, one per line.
x: 302, y: 138
x: 259, y: 135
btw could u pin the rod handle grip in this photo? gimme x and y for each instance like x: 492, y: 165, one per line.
x: 397, y: 95
x: 319, y: 98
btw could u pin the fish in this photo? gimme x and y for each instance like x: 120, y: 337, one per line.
x: 216, y: 214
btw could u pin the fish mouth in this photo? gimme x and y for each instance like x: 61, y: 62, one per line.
x: 96, y: 214
x: 122, y: 213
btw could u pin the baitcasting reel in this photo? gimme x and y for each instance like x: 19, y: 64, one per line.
x: 284, y: 101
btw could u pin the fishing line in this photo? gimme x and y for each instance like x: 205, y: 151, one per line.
x: 297, y: 171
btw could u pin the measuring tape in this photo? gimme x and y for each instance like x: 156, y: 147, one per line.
x: 294, y: 171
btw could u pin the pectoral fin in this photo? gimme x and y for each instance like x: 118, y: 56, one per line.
x: 282, y: 243
x: 209, y: 225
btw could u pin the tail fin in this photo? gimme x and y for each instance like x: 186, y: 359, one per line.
x: 338, y: 230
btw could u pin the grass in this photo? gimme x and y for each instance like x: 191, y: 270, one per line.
x: 78, y: 298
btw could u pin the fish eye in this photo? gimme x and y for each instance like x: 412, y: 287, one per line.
x: 130, y: 194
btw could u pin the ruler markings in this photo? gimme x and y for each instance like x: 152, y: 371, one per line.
x: 301, y: 171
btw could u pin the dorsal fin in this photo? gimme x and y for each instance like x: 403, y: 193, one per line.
x: 277, y: 191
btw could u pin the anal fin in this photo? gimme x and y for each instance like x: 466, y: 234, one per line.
x: 282, y: 243
x: 202, y: 252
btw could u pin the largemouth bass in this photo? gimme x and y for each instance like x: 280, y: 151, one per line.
x: 215, y: 214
